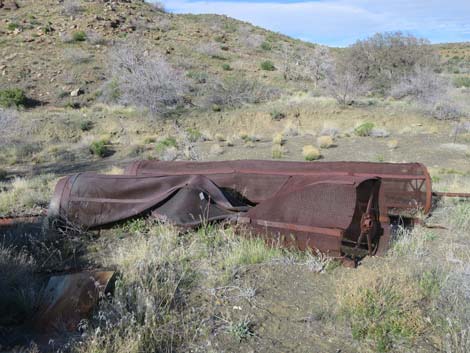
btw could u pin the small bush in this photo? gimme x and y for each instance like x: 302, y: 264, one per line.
x: 77, y: 56
x: 364, y: 129
x: 79, y: 36
x: 278, y: 139
x: 168, y: 142
x: 325, y: 141
x: 234, y: 92
x: 277, y: 151
x: 99, y: 148
x: 14, y: 97
x: 147, y: 81
x: 392, y: 144
x: 197, y: 76
x: 226, y: 67
x: 194, y: 134
x: 310, y: 153
x: 277, y: 115
x: 72, y: 7
x: 12, y: 26
x: 268, y: 65
x: 86, y: 125
x: 158, y: 6
x: 266, y: 46
x: 26, y: 195
x: 462, y: 81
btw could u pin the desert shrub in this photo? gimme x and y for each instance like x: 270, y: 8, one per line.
x: 364, y: 129
x: 13, y: 97
x: 86, y: 125
x: 226, y: 67
x: 325, y: 141
x: 233, y: 92
x: 19, y: 295
x: 110, y: 92
x: 278, y: 139
x: 77, y: 56
x: 72, y: 7
x: 147, y: 80
x: 79, y: 36
x: 342, y: 83
x: 146, y: 312
x: 277, y: 151
x: 310, y: 153
x: 9, y: 125
x: 249, y: 39
x: 26, y: 195
x: 267, y: 65
x: 158, y: 6
x: 100, y: 148
x: 211, y: 50
x: 96, y: 39
x: 423, y: 85
x: 198, y: 76
x: 444, y: 110
x: 462, y: 81
x: 194, y: 134
x: 277, y: 115
x: 318, y: 64
x: 383, y: 307
x: 165, y: 144
x: 385, y: 58
x: 266, y: 46
x: 12, y: 26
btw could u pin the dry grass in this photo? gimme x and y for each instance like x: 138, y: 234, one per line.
x: 310, y: 153
x: 325, y: 141
x: 278, y: 139
x: 23, y: 196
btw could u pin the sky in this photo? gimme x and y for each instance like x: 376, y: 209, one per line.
x: 342, y: 22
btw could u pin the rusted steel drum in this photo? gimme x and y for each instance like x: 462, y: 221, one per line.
x: 305, y: 211
x: 406, y: 187
x: 336, y: 216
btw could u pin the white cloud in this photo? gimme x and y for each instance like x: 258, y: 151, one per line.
x: 341, y: 22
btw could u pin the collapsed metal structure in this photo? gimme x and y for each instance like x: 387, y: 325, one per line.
x: 339, y: 208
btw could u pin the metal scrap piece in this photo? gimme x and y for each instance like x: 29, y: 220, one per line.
x: 69, y: 298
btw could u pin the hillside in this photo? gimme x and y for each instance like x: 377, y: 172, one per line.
x: 51, y: 48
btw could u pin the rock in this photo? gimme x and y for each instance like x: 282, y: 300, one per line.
x: 76, y: 92
x: 376, y: 132
x: 457, y: 147
x: 8, y: 5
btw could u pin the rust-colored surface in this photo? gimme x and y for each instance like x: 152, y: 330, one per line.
x: 452, y: 194
x: 70, y: 298
x: 300, y: 210
x: 10, y: 221
x: 405, y: 186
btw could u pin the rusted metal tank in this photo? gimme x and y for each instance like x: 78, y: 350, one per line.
x: 406, y: 187
x: 306, y: 211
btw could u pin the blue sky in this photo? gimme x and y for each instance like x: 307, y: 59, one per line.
x: 341, y: 22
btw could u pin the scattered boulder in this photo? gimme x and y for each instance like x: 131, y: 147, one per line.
x: 8, y: 5
x: 376, y: 132
x: 76, y: 92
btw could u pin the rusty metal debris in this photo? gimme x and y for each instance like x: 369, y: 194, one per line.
x: 336, y: 207
x: 405, y: 186
x: 452, y: 194
x: 69, y: 298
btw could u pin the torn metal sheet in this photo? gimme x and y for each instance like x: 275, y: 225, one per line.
x: 69, y: 298
x: 306, y: 211
x: 406, y: 187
